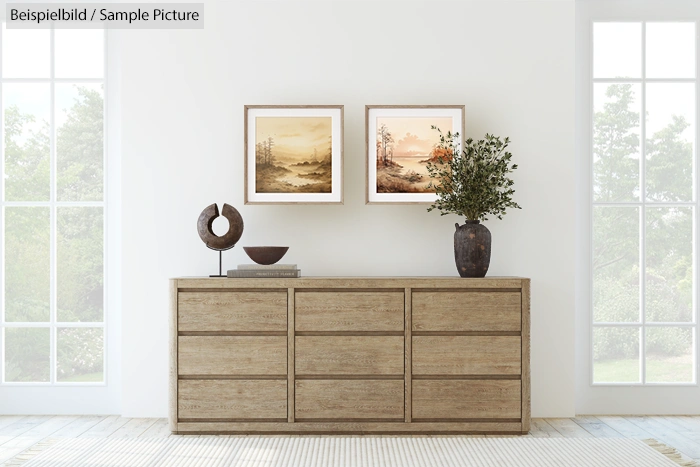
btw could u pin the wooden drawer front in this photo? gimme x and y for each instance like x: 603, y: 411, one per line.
x: 232, y: 355
x: 349, y: 399
x: 240, y: 399
x: 466, y: 355
x: 349, y: 355
x: 475, y: 399
x: 349, y: 311
x: 232, y: 311
x: 466, y: 311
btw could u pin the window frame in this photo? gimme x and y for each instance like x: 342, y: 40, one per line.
x: 642, y: 204
x: 53, y: 204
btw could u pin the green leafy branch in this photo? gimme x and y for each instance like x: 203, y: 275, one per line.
x: 473, y: 182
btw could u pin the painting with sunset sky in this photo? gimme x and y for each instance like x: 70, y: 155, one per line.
x: 294, y: 155
x: 401, y: 142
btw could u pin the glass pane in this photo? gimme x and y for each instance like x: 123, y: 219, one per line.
x: 27, y: 355
x: 27, y: 264
x: 616, y: 136
x: 670, y: 140
x: 79, y: 53
x: 615, y: 264
x: 79, y: 251
x: 79, y: 142
x: 80, y: 353
x: 617, y: 50
x: 670, y: 50
x: 26, y: 141
x: 26, y: 53
x: 669, y: 355
x: 616, y: 355
x: 669, y: 265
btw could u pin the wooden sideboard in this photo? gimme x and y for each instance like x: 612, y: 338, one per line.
x: 404, y: 355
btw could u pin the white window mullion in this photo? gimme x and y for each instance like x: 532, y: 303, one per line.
x: 2, y: 222
x: 48, y: 204
x: 696, y: 232
x: 591, y: 203
x: 648, y: 325
x: 643, y: 213
x: 105, y: 216
x: 68, y: 324
x: 52, y: 216
x: 55, y: 80
x: 646, y: 80
x: 661, y: 204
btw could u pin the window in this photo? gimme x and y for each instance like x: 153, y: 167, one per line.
x: 644, y: 203
x: 52, y: 311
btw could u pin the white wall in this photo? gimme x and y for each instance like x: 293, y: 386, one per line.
x: 510, y: 63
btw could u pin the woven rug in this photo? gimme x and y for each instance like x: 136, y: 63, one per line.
x: 365, y: 451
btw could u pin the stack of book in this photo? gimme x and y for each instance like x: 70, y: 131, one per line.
x: 262, y: 270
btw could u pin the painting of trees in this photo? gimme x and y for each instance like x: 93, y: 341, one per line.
x: 384, y: 140
x: 263, y: 152
x: 404, y: 146
x: 287, y: 154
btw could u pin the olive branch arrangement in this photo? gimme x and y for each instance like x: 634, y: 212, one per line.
x: 472, y: 182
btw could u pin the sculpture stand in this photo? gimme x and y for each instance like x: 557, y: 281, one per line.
x: 219, y: 275
x: 221, y: 251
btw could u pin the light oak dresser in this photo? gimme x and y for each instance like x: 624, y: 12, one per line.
x: 404, y: 355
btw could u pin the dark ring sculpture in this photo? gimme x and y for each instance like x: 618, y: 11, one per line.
x: 235, y: 227
x: 226, y: 241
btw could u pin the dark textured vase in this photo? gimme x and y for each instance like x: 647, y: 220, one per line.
x: 472, y: 249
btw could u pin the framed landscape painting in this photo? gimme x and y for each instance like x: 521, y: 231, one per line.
x: 293, y: 154
x: 400, y: 142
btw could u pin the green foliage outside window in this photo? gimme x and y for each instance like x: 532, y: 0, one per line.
x: 79, y: 240
x: 616, y: 268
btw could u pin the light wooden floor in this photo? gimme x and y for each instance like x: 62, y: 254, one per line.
x: 18, y: 433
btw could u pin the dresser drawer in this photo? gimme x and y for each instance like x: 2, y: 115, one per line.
x: 473, y: 399
x: 349, y: 399
x: 232, y: 355
x: 349, y: 355
x: 349, y: 311
x: 466, y: 311
x: 239, y: 399
x: 466, y: 355
x: 232, y: 311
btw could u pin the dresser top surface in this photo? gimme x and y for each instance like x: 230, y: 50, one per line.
x: 353, y: 282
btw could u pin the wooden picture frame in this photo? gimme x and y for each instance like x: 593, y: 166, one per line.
x: 293, y: 154
x: 395, y: 168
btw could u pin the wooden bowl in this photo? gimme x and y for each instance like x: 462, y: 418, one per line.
x: 265, y: 254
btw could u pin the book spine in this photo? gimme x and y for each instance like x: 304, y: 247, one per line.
x: 265, y: 267
x: 267, y: 273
